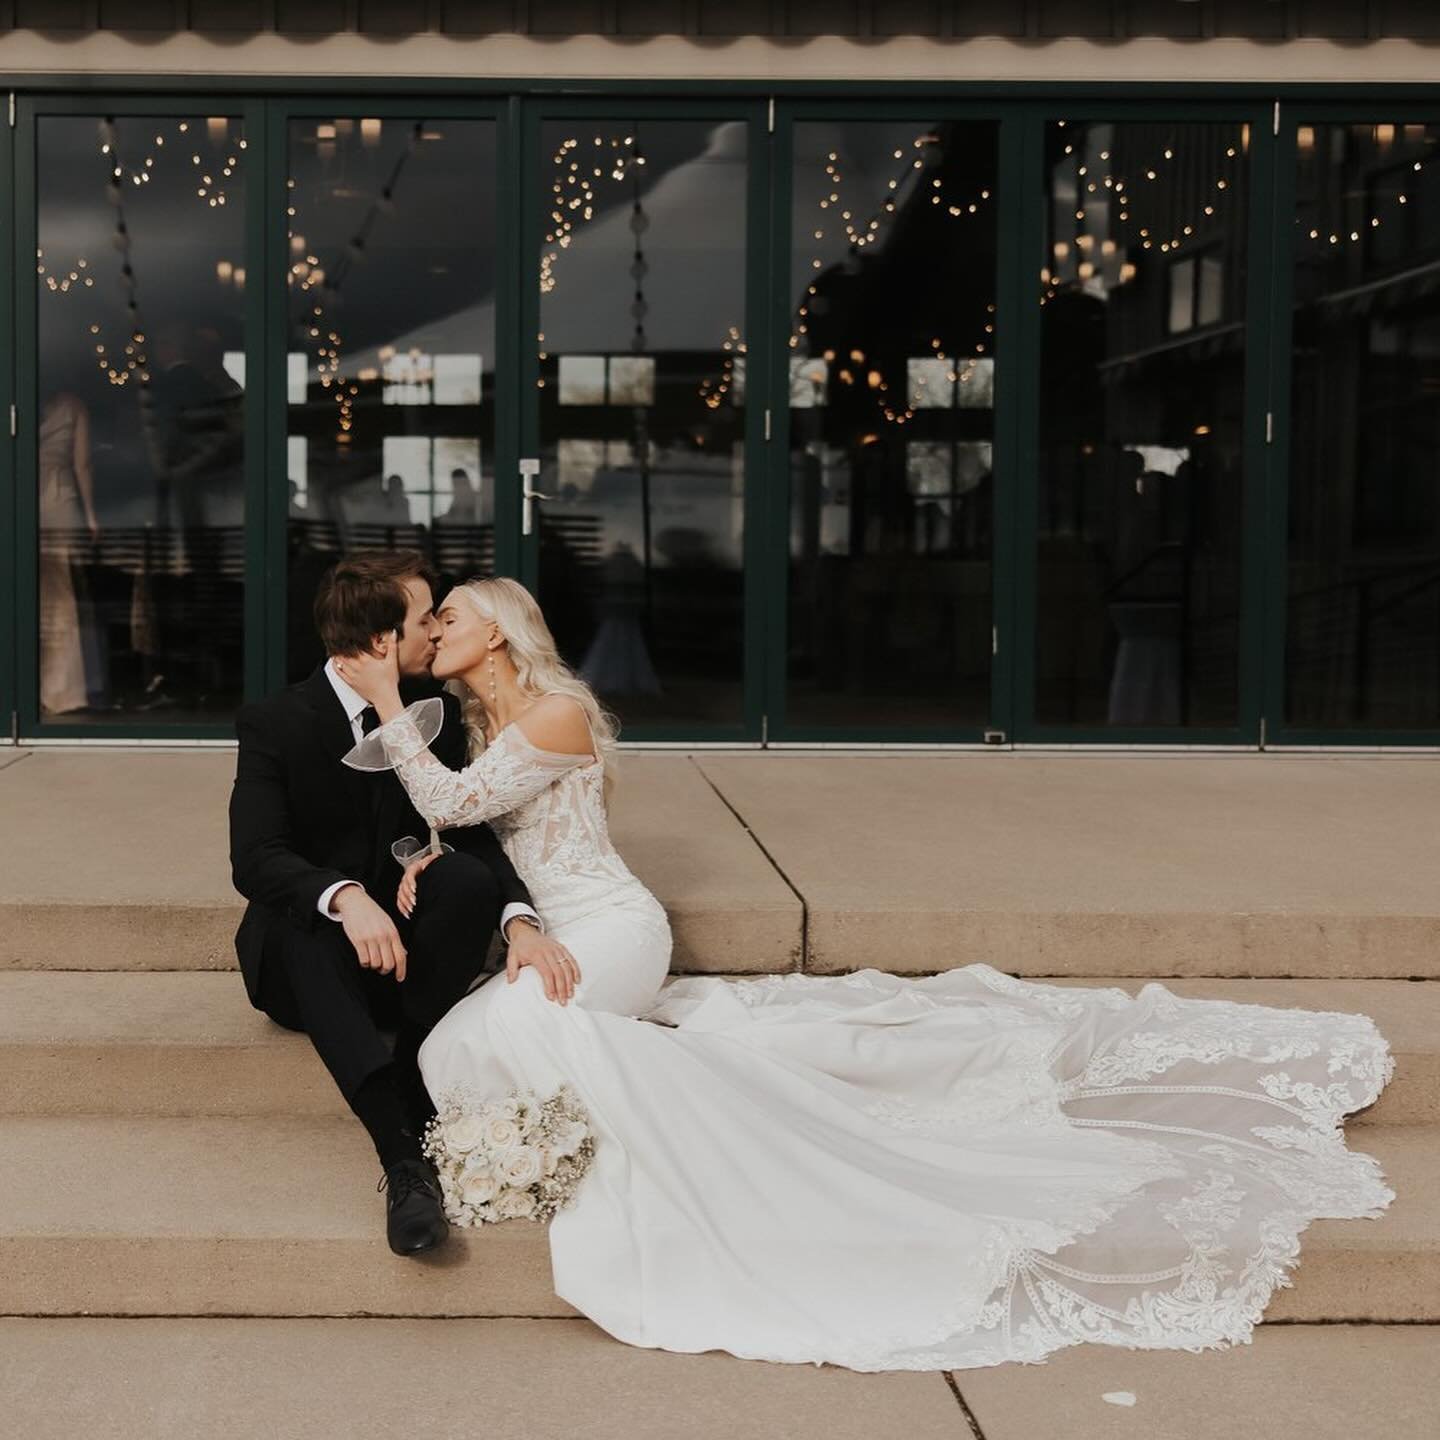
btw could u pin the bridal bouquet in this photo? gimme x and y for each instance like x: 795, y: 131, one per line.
x: 513, y: 1158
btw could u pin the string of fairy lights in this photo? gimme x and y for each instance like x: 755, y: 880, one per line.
x: 1128, y: 196
x: 135, y: 362
x: 575, y: 192
x: 868, y: 232
x: 323, y: 284
x: 1384, y: 135
x: 860, y: 235
x: 128, y: 362
x: 1151, y: 174
x: 580, y: 173
x: 714, y: 389
x: 958, y: 374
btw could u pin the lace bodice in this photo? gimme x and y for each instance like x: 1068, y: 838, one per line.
x: 546, y: 807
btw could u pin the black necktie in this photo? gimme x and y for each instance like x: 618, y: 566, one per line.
x: 368, y: 721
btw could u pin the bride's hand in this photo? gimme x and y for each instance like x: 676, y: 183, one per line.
x: 406, y: 895
x: 555, y: 965
x: 374, y: 673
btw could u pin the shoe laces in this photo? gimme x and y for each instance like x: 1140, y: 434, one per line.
x: 409, y: 1179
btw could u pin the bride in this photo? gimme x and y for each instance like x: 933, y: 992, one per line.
x: 877, y: 1172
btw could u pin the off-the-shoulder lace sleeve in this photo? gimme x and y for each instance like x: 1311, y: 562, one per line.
x: 509, y: 773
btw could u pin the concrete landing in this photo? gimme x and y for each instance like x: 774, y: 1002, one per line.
x: 1331, y: 1382
x: 173, y: 1379
x: 279, y: 1217
x: 437, y: 1379
x: 1078, y: 864
x: 1095, y: 864
x: 79, y: 1043
x: 117, y: 861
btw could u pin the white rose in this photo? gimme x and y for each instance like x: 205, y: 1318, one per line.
x: 515, y: 1205
x: 478, y: 1186
x: 521, y: 1167
x: 464, y: 1133
x: 506, y: 1105
x: 501, y: 1134
x: 570, y: 1137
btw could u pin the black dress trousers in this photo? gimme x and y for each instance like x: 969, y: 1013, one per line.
x: 312, y: 980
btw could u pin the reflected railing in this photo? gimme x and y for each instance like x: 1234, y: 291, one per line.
x: 455, y: 551
x: 154, y: 604
x: 1335, y: 629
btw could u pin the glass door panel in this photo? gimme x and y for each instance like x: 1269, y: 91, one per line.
x: 640, y: 396
x: 1142, y: 407
x: 134, y: 431
x: 891, y: 395
x: 1362, y: 559
x: 391, y: 279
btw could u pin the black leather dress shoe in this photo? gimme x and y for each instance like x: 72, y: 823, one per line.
x: 414, y: 1216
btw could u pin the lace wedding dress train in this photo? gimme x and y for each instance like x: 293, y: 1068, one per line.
x: 880, y: 1172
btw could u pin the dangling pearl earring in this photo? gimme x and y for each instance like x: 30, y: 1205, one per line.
x: 492, y: 680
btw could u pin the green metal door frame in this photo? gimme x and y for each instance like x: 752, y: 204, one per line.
x: 536, y: 111
x: 1007, y: 361
x: 1292, y: 114
x: 518, y: 106
x: 9, y: 489
x: 361, y: 104
x: 1258, y: 361
x: 29, y: 111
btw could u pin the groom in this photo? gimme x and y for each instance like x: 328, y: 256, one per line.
x: 322, y: 945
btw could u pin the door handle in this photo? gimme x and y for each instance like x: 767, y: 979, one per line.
x: 529, y: 495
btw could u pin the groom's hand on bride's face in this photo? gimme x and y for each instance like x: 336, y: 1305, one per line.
x: 371, y: 931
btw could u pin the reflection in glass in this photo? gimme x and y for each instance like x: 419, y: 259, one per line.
x: 642, y: 277
x: 391, y: 431
x: 1142, y: 384
x: 891, y: 425
x: 1363, y: 561
x: 140, y: 279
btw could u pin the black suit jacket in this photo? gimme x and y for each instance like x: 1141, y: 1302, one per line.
x: 300, y: 819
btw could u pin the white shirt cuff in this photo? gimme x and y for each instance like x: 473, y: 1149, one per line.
x: 328, y: 894
x: 510, y: 912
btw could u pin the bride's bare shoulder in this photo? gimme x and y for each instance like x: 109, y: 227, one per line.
x: 556, y: 723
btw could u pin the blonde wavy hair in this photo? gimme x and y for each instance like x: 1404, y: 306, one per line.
x: 539, y: 670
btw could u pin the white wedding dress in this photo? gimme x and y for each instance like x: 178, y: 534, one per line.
x: 879, y: 1172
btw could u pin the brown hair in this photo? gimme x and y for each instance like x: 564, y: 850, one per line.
x: 363, y: 595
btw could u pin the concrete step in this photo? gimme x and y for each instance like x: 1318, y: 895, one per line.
x: 118, y: 861
x: 1086, y: 864
x: 175, y: 1379
x: 1293, y: 1382
x: 378, y: 1378
x: 280, y: 1217
x: 1044, y: 865
x: 76, y: 1043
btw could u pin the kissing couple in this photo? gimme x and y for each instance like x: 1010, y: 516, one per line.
x: 867, y: 1170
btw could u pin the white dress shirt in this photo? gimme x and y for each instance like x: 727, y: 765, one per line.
x: 355, y: 706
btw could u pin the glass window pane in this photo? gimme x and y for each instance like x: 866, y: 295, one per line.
x: 392, y: 325
x: 1142, y: 389
x: 642, y: 312
x: 140, y: 281
x: 1362, y: 644
x: 892, y: 291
